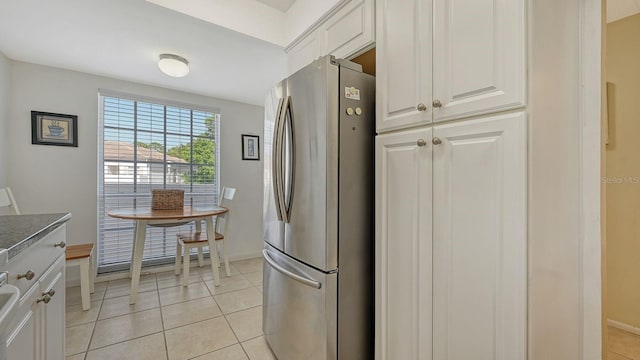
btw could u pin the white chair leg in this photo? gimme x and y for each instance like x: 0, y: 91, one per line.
x: 200, y: 257
x: 186, y: 259
x: 84, y: 283
x: 92, y: 272
x: 178, y: 257
x: 225, y: 257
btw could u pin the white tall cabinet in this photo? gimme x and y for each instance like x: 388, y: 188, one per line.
x: 403, y: 247
x: 451, y: 180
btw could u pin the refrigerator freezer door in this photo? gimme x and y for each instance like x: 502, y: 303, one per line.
x: 300, y: 309
x: 312, y: 229
x: 273, y: 227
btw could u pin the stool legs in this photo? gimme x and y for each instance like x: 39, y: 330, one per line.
x: 200, y: 257
x: 225, y: 257
x: 185, y: 260
x: 85, y: 283
x: 178, y: 257
x: 92, y: 273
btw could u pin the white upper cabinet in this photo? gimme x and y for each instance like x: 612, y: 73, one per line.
x: 305, y: 52
x: 479, y: 57
x: 480, y: 239
x: 403, y: 63
x: 350, y: 30
x: 403, y: 245
x: 452, y: 59
x: 344, y: 33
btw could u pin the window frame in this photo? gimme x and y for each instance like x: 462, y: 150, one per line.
x: 101, y: 213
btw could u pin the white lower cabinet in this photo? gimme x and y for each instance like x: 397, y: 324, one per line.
x: 452, y: 243
x: 37, y: 328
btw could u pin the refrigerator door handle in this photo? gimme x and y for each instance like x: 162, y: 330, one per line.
x: 276, y: 159
x: 291, y: 170
x: 299, y: 278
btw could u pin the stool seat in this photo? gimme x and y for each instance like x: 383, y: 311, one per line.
x: 79, y: 251
x: 83, y: 255
x: 196, y: 237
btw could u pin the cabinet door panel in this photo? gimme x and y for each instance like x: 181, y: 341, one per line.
x: 21, y: 341
x: 54, y: 312
x: 479, y: 65
x: 403, y: 63
x: 304, y: 53
x: 350, y: 30
x: 403, y: 246
x: 480, y: 261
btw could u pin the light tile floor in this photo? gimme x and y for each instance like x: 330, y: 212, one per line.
x: 623, y: 345
x: 172, y: 322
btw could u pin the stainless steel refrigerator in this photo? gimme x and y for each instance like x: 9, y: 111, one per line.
x: 318, y: 213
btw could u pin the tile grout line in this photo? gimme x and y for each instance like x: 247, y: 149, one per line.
x: 164, y: 331
x: 93, y: 331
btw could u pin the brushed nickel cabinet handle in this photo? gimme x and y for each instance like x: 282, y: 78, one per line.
x: 51, y: 292
x: 437, y: 103
x: 421, y: 107
x: 28, y: 275
x: 436, y: 141
x: 421, y: 142
x: 45, y: 299
x: 61, y: 244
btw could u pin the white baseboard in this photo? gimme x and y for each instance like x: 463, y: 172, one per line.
x: 623, y: 326
x: 75, y: 280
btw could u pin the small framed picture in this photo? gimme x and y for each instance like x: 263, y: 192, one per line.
x: 250, y: 147
x: 54, y: 129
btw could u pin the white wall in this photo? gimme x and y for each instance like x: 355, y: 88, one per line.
x: 4, y: 113
x: 64, y: 179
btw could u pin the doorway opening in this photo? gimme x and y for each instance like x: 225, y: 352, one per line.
x: 621, y: 181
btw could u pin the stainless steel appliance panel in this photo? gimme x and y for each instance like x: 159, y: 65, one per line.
x: 300, y: 309
x: 312, y: 228
x: 356, y: 216
x: 273, y: 228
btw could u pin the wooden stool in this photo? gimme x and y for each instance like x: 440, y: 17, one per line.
x: 83, y: 255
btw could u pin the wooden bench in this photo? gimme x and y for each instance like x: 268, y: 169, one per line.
x: 83, y: 255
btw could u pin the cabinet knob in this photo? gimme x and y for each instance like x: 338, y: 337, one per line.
x: 61, y: 244
x: 421, y: 142
x: 421, y: 107
x: 45, y: 299
x: 436, y: 141
x: 437, y: 103
x: 51, y: 292
x: 28, y: 275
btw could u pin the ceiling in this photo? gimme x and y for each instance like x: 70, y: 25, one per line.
x: 282, y: 5
x: 618, y: 9
x: 123, y: 38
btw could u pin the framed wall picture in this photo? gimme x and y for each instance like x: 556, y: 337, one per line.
x: 54, y: 129
x: 250, y: 147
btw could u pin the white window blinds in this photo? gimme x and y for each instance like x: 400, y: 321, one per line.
x: 148, y: 145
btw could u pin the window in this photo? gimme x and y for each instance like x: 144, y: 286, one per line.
x: 148, y: 145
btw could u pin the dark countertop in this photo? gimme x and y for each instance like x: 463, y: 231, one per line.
x: 18, y: 232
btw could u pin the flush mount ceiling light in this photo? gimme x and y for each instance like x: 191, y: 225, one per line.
x: 173, y: 65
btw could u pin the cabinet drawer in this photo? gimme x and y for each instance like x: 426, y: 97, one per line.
x: 37, y: 259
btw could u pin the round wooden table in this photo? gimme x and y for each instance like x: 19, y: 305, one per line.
x: 144, y: 216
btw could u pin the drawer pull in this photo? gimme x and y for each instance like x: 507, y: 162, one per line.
x: 28, y: 275
x: 45, y: 299
x: 51, y: 292
x: 61, y: 244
